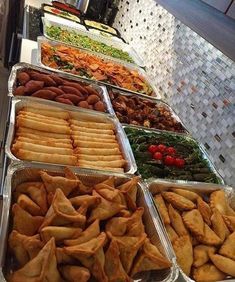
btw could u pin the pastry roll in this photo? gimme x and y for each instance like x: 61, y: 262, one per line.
x: 49, y: 113
x: 98, y: 125
x: 57, y: 144
x: 42, y: 133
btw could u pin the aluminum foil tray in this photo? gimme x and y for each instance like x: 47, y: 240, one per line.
x: 17, y: 104
x: 157, y: 185
x: 30, y: 172
x: 151, y: 99
x: 119, y: 45
x: 186, y: 138
x: 24, y: 66
x: 42, y: 40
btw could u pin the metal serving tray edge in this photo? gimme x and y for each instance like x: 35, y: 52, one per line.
x: 42, y: 39
x: 120, y: 133
x: 119, y: 45
x: 158, y: 235
x: 194, y: 186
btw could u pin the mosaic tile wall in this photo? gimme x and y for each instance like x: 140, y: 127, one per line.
x: 195, y: 78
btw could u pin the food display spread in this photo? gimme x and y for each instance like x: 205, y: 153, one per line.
x: 79, y: 230
x: 201, y: 227
x: 61, y: 13
x: 54, y: 88
x: 59, y: 137
x: 79, y: 62
x: 83, y: 41
x: 135, y: 110
x: 164, y: 155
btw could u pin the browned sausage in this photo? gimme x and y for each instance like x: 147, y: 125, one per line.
x: 58, y: 80
x: 70, y: 90
x: 23, y: 78
x: 45, y: 94
x: 83, y: 104
x: 92, y: 91
x: 92, y: 99
x: 72, y: 97
x: 99, y: 106
x: 79, y: 87
x: 62, y: 100
x: 42, y: 77
x: 57, y: 90
x: 20, y: 91
x: 33, y: 86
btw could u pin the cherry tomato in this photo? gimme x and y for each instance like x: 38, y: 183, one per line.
x: 179, y: 162
x: 169, y: 160
x: 157, y: 156
x: 171, y: 151
x: 161, y: 148
x: 152, y: 149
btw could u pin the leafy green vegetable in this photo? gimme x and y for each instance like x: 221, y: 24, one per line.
x: 83, y: 41
x: 196, y: 167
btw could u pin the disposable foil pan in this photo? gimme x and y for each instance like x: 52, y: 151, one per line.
x: 157, y: 185
x: 30, y: 172
x: 188, y: 138
x: 158, y: 102
x: 119, y: 45
x: 132, y: 67
x: 24, y: 66
x: 122, y: 139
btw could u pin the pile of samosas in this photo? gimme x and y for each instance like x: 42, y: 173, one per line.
x: 66, y: 230
x: 201, y: 230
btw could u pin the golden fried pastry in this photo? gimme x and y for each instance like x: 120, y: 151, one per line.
x: 128, y: 247
x: 61, y: 212
x: 129, y: 189
x: 89, y: 201
x: 91, y: 232
x: 205, y: 210
x: 68, y: 173
x: 41, y: 268
x: 109, y: 182
x: 59, y: 233
x: 108, y: 192
x: 63, y: 258
x: 194, y: 222
x: 230, y: 222
x: 73, y: 272
x: 24, y: 222
x: 91, y: 255
x: 228, y: 247
x: 160, y: 203
x: 117, y: 226
x: 184, y: 252
x: 201, y: 254
x: 224, y: 264
x: 209, y: 237
x: 176, y: 221
x: 53, y: 182
x: 208, y: 273
x: 219, y: 201
x: 178, y: 201
x: 24, y: 247
x: 149, y: 258
x: 28, y: 205
x: 192, y: 196
x: 135, y: 226
x: 219, y: 225
x: 105, y: 209
x: 36, y: 191
x: 171, y: 233
x: 194, y: 241
x: 113, y: 266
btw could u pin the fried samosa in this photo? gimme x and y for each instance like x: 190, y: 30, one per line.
x: 89, y: 201
x: 208, y: 273
x: 228, y: 247
x: 60, y: 233
x: 42, y: 268
x: 74, y: 273
x: 177, y: 201
x: 28, y: 205
x: 201, y: 254
x: 24, y: 247
x: 129, y: 190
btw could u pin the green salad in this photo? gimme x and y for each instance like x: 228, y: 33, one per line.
x: 83, y: 41
x: 164, y: 155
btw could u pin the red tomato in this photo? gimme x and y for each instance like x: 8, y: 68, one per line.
x: 171, y: 150
x: 161, y: 148
x: 152, y: 149
x: 157, y: 156
x: 179, y: 162
x: 55, y: 11
x: 169, y: 160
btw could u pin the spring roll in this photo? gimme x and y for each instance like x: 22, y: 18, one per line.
x: 87, y: 139
x: 45, y: 143
x: 41, y: 116
x: 95, y: 145
x: 103, y: 168
x: 91, y: 130
x: 43, y: 138
x: 46, y: 127
x: 44, y: 119
x: 42, y: 133
x: 93, y: 135
x: 117, y: 163
x: 99, y: 158
x: 49, y: 113
x: 103, y: 152
x: 46, y: 158
x: 99, y: 125
x: 41, y: 148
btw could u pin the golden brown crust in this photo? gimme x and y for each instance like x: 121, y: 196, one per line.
x: 228, y: 247
x: 160, y: 203
x: 209, y: 237
x: 208, y: 273
x: 178, y: 201
x: 224, y: 264
x: 205, y: 210
x: 176, y: 221
x: 194, y: 222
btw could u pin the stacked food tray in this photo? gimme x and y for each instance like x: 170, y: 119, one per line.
x: 107, y: 177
